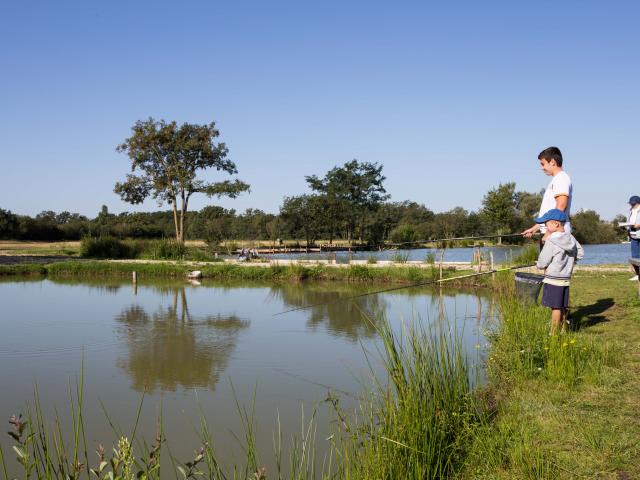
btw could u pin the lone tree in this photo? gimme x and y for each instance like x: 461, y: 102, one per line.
x: 168, y: 158
x: 353, y: 190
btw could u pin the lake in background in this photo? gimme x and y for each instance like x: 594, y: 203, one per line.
x: 185, y: 344
x: 594, y: 254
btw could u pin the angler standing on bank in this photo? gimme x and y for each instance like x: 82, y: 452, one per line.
x: 559, y: 192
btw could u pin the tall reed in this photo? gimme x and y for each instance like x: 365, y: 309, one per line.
x: 413, y: 423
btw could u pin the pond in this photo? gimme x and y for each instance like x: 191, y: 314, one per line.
x: 195, y: 349
x: 612, y: 253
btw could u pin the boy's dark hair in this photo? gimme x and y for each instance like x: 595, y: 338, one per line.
x: 551, y: 153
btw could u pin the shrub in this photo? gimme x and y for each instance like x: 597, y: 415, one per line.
x: 165, y: 249
x: 403, y: 234
x: 105, y: 247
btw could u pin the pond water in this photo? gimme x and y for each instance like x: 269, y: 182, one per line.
x: 190, y: 346
x: 594, y: 254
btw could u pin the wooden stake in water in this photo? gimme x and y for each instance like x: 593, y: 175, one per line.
x: 493, y: 275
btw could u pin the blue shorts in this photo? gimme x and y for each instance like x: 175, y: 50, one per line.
x: 555, y: 297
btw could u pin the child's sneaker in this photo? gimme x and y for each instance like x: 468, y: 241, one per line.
x: 634, y: 279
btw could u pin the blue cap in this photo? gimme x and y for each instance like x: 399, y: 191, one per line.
x: 553, y: 214
x: 634, y: 200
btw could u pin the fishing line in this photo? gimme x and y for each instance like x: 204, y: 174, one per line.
x: 433, y: 240
x: 401, y: 287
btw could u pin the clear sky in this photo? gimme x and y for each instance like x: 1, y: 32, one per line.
x: 451, y: 97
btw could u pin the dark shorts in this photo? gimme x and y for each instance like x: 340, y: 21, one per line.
x: 554, y: 296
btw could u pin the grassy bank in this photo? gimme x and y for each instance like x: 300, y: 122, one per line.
x: 220, y: 270
x: 564, y: 407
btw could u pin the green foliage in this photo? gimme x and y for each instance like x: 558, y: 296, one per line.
x: 404, y: 233
x: 522, y: 347
x: 105, y: 247
x: 306, y: 214
x: 588, y: 228
x: 352, y: 192
x: 400, y: 257
x: 8, y: 224
x: 165, y: 249
x: 417, y: 424
x: 499, y: 207
x: 169, y: 158
x: 527, y: 256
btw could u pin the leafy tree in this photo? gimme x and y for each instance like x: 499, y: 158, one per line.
x: 528, y: 205
x: 169, y: 158
x: 451, y: 223
x: 404, y: 233
x: 588, y: 227
x: 355, y: 188
x: 499, y: 207
x: 304, y: 213
x: 8, y: 224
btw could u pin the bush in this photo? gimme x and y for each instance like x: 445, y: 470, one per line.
x: 165, y: 249
x: 105, y: 247
x: 403, y: 234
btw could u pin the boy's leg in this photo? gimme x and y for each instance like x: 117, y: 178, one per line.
x: 635, y: 253
x: 556, y: 320
x: 566, y: 320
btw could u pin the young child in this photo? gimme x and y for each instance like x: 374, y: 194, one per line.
x: 557, y: 258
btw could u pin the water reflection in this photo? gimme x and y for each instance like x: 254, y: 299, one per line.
x: 350, y: 318
x: 171, y: 348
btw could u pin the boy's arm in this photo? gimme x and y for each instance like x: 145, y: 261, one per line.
x: 545, y: 257
x: 580, y: 254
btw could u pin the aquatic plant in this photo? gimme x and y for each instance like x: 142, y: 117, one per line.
x: 414, y: 424
x: 164, y: 249
x: 400, y: 257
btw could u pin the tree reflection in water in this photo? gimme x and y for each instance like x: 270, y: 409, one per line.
x: 170, y: 348
x: 342, y: 317
x: 346, y: 318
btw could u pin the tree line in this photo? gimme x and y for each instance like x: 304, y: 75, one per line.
x: 310, y: 219
x: 349, y: 203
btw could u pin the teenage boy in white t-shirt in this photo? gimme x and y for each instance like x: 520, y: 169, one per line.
x: 558, y: 193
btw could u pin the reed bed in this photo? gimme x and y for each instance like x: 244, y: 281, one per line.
x: 224, y: 271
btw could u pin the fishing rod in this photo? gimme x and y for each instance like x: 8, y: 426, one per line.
x: 400, y: 287
x: 436, y: 240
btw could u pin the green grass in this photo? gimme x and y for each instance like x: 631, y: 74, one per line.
x: 414, y: 424
x: 221, y: 270
x: 565, y: 406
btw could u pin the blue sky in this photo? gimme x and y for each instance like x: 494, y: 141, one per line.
x: 451, y: 97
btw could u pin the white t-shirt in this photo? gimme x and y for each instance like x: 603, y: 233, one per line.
x: 560, y: 184
x: 634, y: 217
